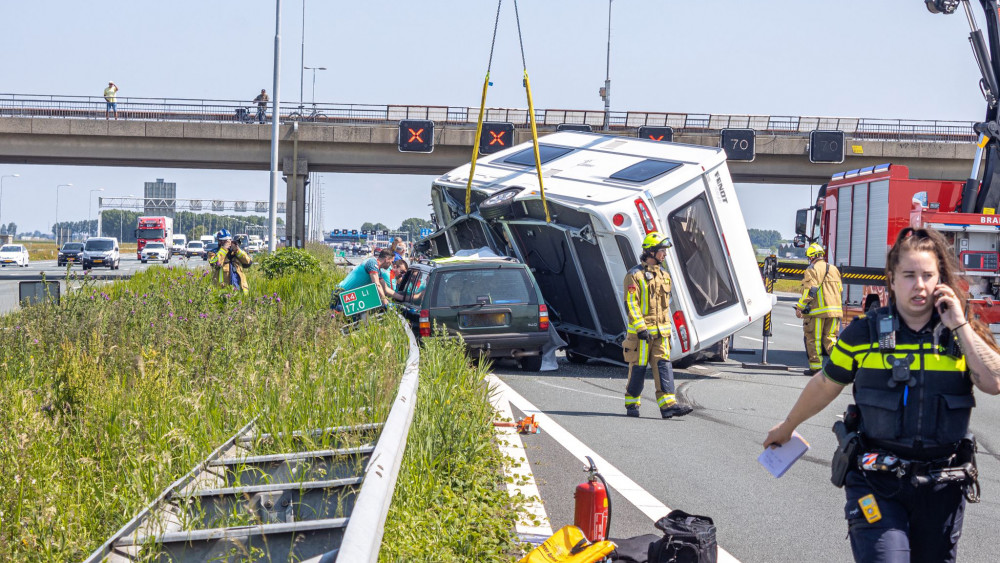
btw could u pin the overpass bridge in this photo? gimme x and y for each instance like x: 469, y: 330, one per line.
x: 180, y: 133
x: 215, y: 134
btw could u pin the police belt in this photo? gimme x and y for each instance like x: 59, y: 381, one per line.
x: 924, y: 472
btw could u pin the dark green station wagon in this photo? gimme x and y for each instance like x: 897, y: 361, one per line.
x: 494, y: 303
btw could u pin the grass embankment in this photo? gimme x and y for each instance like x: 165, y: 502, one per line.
x: 111, y: 396
x: 450, y: 504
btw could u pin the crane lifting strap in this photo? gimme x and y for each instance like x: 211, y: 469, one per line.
x: 479, y: 122
x: 531, y: 115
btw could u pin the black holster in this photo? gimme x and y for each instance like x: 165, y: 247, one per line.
x: 848, y: 446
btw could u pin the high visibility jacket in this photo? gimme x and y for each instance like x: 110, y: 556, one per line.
x: 923, y: 419
x: 647, y: 300
x: 825, y: 301
x: 221, y: 264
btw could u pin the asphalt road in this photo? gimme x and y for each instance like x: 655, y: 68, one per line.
x: 706, y: 463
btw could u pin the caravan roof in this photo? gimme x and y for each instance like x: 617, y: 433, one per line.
x: 573, y: 171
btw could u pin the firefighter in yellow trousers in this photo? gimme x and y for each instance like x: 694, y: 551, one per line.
x: 819, y: 307
x: 647, y: 306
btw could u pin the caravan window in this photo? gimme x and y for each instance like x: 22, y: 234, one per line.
x: 645, y: 170
x: 696, y: 240
x: 546, y: 153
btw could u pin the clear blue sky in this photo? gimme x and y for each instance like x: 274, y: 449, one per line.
x: 860, y: 58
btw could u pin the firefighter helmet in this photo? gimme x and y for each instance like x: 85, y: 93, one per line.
x: 814, y: 250
x: 223, y: 235
x: 654, y: 241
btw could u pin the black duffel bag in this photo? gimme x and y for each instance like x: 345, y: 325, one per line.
x: 687, y: 538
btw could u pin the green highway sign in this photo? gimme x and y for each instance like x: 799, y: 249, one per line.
x: 360, y: 300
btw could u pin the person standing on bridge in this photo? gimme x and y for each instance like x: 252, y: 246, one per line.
x: 647, y: 305
x: 819, y: 307
x: 228, y: 263
x: 261, y: 100
x: 111, y: 100
x: 910, y: 467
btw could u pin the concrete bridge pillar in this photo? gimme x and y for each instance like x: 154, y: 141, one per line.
x: 296, y: 179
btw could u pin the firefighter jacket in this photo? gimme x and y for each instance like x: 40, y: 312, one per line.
x: 821, y: 289
x: 224, y: 260
x: 922, y: 410
x: 647, y: 300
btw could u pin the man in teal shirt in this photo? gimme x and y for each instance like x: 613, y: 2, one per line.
x: 366, y: 273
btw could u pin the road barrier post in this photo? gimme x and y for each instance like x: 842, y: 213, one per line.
x: 770, y: 272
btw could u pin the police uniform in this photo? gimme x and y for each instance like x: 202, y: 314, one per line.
x: 647, y: 306
x: 821, y: 310
x: 918, y: 417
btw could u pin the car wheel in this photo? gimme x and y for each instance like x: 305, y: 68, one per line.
x: 574, y: 358
x: 531, y: 363
x: 686, y: 361
x: 498, y: 204
x: 720, y: 352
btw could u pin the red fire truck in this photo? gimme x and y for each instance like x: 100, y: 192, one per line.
x: 859, y: 214
x: 153, y: 229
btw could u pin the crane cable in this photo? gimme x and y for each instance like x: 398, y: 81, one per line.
x: 479, y: 122
x: 531, y: 116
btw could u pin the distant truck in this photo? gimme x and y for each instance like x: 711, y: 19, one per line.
x: 157, y: 228
x: 605, y: 194
x: 178, y: 244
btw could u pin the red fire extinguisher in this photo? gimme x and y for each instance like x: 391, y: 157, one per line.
x: 593, y: 505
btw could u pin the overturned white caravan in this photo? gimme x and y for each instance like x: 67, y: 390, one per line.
x: 604, y: 194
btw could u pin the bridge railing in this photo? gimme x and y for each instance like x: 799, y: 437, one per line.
x: 191, y: 110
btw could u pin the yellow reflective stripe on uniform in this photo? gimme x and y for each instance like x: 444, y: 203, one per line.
x: 631, y: 400
x: 635, y: 310
x: 853, y: 348
x: 666, y: 401
x: 802, y: 304
x: 821, y: 310
x: 817, y: 342
x: 643, y: 353
x: 933, y: 361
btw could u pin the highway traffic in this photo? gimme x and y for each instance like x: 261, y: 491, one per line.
x: 706, y: 463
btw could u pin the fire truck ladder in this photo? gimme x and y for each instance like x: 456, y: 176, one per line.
x: 244, y: 504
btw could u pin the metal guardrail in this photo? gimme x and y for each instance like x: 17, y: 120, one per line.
x: 191, y: 110
x: 306, y: 505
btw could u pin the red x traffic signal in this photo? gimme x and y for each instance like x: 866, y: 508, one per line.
x: 416, y: 135
x: 495, y: 137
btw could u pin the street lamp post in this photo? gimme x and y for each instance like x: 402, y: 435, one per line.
x: 302, y: 59
x: 90, y: 200
x: 606, y: 91
x: 1, y: 187
x: 314, y: 69
x: 57, y: 229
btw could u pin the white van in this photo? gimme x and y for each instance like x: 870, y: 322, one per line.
x: 604, y: 194
x: 178, y: 244
x: 207, y: 239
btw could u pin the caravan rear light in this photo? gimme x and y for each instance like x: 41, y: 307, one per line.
x: 543, y: 317
x: 425, y: 322
x: 682, y: 331
x: 618, y: 219
x: 645, y: 216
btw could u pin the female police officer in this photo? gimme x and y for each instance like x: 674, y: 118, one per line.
x: 913, y: 365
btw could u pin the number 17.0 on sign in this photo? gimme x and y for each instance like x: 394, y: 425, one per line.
x: 360, y: 300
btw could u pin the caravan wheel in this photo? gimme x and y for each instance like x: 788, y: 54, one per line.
x: 498, y: 204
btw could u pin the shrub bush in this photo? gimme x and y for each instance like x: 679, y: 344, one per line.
x: 286, y: 261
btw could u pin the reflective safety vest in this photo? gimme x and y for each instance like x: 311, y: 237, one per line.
x: 923, y: 418
x: 821, y: 291
x: 221, y: 263
x: 647, y: 300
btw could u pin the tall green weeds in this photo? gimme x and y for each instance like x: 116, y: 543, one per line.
x: 451, y: 503
x: 109, y: 397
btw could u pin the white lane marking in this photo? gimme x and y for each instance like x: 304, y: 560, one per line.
x: 534, y: 520
x: 752, y: 338
x: 794, y: 325
x: 698, y: 367
x: 626, y: 487
x: 602, y: 395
